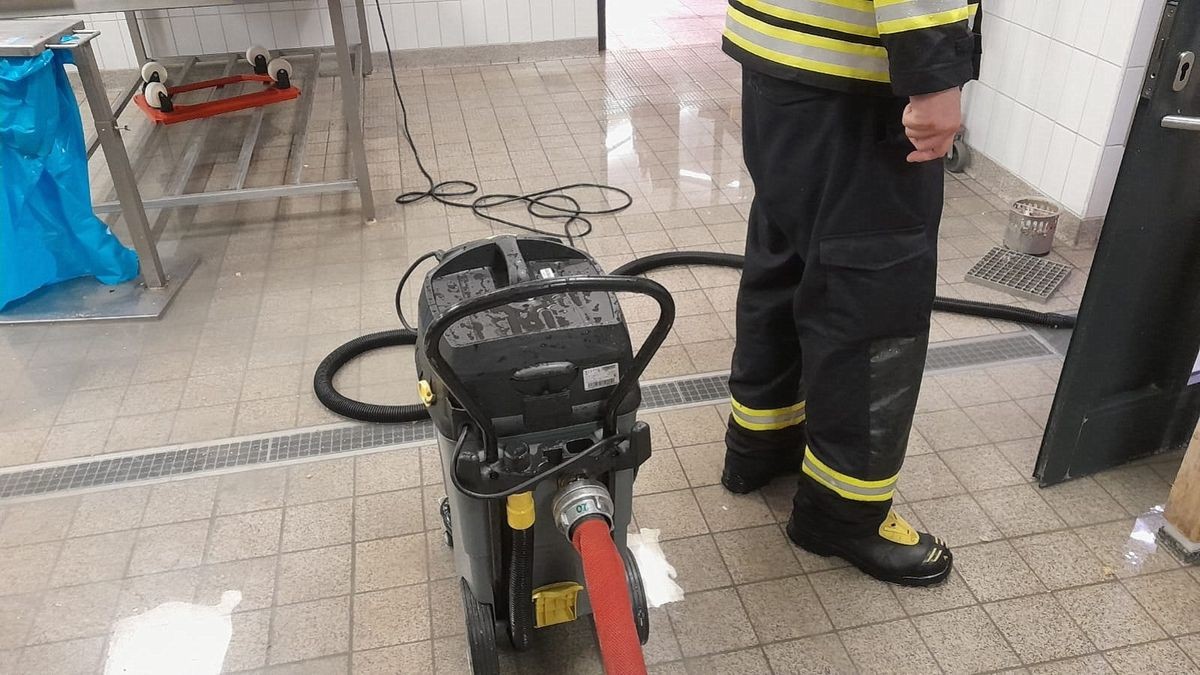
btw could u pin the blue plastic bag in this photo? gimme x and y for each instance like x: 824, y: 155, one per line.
x: 48, y: 232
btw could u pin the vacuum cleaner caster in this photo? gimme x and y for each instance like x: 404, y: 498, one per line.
x: 447, y: 531
x: 637, y: 594
x: 481, y: 634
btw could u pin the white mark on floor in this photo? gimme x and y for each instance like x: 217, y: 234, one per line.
x: 658, y: 576
x: 176, y: 637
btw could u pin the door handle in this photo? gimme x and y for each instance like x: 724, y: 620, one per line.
x: 1181, y: 122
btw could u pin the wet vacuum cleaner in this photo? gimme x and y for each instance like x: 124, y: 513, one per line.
x: 157, y: 99
x: 526, y: 367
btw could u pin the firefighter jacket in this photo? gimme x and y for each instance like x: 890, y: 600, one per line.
x: 884, y: 47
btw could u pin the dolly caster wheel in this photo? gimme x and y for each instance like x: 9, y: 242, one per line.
x: 259, y: 57
x: 447, y: 530
x: 158, y: 97
x: 637, y: 595
x: 280, y: 70
x: 959, y: 157
x: 482, y: 655
x: 153, y: 71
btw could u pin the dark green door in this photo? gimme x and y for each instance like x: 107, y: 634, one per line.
x: 1124, y: 391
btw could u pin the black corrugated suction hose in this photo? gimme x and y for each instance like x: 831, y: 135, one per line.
x: 986, y: 310
x: 345, y: 406
x: 520, y: 589
x: 329, y: 396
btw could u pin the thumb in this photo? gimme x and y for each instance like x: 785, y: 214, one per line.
x: 918, y: 156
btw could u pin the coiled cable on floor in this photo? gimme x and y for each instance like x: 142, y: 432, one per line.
x: 556, y: 203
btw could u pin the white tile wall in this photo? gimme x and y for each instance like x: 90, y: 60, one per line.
x: 1058, y: 90
x: 410, y: 23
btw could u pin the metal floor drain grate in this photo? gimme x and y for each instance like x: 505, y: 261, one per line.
x: 1024, y: 276
x: 181, y: 461
x: 987, y: 351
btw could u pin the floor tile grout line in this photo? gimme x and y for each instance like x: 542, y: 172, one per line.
x: 353, y: 603
x: 670, y: 383
x: 831, y: 631
x: 1003, y: 538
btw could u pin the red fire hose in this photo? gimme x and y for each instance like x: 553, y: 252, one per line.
x: 604, y: 573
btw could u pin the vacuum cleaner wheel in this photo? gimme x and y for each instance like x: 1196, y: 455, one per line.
x: 481, y: 634
x: 637, y: 594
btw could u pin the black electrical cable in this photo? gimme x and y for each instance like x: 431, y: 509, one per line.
x: 556, y: 203
x: 404, y: 280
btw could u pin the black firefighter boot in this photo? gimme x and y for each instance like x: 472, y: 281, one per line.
x: 895, y: 552
x: 754, y: 459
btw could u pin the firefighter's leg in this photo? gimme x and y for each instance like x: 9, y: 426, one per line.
x: 863, y: 319
x: 766, y: 423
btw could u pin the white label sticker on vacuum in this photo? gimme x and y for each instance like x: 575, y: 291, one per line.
x: 601, y: 377
x: 546, y: 273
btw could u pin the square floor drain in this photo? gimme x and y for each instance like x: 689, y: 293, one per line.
x: 1024, y: 276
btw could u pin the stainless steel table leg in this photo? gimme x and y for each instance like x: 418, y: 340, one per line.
x: 135, y: 36
x: 350, y: 86
x: 364, y: 36
x: 118, y: 165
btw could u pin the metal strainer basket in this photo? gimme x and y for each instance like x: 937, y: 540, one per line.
x: 1031, y: 225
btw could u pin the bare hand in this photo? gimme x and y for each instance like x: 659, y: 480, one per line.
x: 931, y: 121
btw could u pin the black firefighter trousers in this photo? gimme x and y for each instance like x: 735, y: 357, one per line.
x: 833, y: 309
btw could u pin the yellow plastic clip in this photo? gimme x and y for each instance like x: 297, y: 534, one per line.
x: 520, y: 511
x: 426, y: 392
x: 555, y: 603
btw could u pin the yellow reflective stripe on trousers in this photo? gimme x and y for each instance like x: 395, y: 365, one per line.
x: 847, y: 486
x: 807, y: 52
x: 858, y: 20
x: 767, y: 420
x: 896, y: 16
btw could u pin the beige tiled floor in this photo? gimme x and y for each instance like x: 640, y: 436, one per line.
x: 341, y: 566
x: 340, y: 562
x: 658, y: 24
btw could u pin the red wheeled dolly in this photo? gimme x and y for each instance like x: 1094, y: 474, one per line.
x: 157, y: 99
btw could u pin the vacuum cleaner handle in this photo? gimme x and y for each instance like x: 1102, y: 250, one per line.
x: 537, y: 288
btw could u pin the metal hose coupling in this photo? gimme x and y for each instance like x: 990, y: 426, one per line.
x: 578, y: 500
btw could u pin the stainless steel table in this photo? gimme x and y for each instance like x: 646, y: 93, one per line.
x: 353, y: 62
x: 30, y: 38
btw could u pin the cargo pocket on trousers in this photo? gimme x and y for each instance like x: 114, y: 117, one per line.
x: 879, y: 284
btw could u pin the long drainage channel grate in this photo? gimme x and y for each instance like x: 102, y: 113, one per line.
x: 180, y: 461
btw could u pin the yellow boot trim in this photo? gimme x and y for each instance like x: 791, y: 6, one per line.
x: 848, y: 486
x: 767, y: 420
x: 521, y: 510
x: 896, y: 529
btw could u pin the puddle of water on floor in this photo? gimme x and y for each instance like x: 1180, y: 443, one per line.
x: 1142, y: 541
x: 175, y: 637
